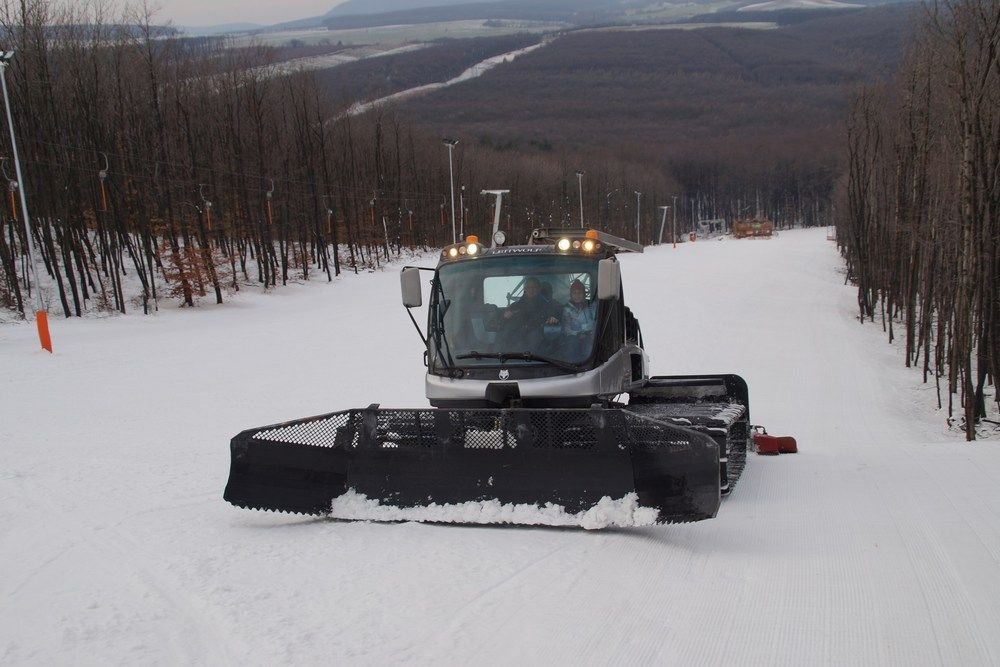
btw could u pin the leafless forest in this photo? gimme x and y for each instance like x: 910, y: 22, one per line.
x: 921, y: 223
x: 158, y: 167
x: 188, y: 164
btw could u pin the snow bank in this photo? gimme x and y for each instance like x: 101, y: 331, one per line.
x: 606, y: 513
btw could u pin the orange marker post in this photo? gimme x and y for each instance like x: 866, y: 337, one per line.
x: 41, y: 317
x: 42, y: 321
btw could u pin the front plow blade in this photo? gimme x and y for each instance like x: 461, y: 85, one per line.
x: 592, y: 468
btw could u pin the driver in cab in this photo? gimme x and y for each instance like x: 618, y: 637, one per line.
x: 531, y: 312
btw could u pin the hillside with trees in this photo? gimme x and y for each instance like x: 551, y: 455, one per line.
x: 159, y: 167
x: 919, y: 222
x: 730, y: 115
x: 163, y: 167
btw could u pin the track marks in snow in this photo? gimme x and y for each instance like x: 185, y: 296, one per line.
x: 943, y: 555
x: 497, y: 603
x: 112, y: 599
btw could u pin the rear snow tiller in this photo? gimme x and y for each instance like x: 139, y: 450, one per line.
x: 763, y: 443
x: 530, y: 351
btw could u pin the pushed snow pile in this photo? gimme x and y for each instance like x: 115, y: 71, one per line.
x: 624, y: 512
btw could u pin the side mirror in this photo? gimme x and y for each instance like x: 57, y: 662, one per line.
x: 609, y: 280
x: 410, y: 283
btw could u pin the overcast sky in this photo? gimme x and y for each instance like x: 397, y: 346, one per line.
x: 214, y: 12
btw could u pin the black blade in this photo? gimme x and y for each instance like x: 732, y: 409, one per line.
x: 412, y: 458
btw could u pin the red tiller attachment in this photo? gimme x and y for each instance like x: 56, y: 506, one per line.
x: 773, y: 444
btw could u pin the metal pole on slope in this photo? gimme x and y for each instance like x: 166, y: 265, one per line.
x: 637, y: 211
x: 579, y: 180
x: 675, y: 220
x: 498, y: 237
x: 451, y: 143
x: 662, y: 223
x: 41, y: 316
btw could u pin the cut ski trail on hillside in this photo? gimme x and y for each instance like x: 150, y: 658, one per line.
x: 468, y: 74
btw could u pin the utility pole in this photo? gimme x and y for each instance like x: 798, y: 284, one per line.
x: 579, y: 180
x: 675, y: 220
x: 637, y: 211
x: 41, y: 316
x: 451, y: 143
x: 663, y: 222
x: 498, y: 237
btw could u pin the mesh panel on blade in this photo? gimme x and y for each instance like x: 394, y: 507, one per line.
x: 486, y: 429
x: 496, y: 429
x: 320, y: 431
x: 404, y: 428
x: 480, y: 429
x: 649, y: 435
x: 559, y: 429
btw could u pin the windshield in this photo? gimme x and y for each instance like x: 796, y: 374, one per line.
x: 540, y: 308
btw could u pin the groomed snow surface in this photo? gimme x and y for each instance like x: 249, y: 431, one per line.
x: 879, y: 543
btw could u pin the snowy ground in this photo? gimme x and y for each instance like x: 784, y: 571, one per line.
x: 879, y: 543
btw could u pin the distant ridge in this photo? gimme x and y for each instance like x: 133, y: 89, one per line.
x: 358, y: 14
x: 220, y: 29
x: 367, y: 7
x: 776, y: 5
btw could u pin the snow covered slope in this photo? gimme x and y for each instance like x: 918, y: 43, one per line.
x: 879, y: 543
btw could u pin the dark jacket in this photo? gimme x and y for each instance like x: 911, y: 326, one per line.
x: 532, y: 312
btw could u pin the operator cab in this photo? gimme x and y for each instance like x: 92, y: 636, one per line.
x: 547, y: 317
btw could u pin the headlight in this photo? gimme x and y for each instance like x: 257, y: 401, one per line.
x: 499, y: 238
x: 563, y: 244
x: 453, y: 252
x: 473, y: 248
x: 588, y: 245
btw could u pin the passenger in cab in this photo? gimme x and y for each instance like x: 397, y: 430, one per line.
x: 579, y: 318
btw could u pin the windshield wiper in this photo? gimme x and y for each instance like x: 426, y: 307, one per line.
x: 439, y: 308
x: 522, y: 356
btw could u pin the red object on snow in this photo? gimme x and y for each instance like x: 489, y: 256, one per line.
x: 787, y: 445
x: 766, y: 444
x: 773, y: 444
